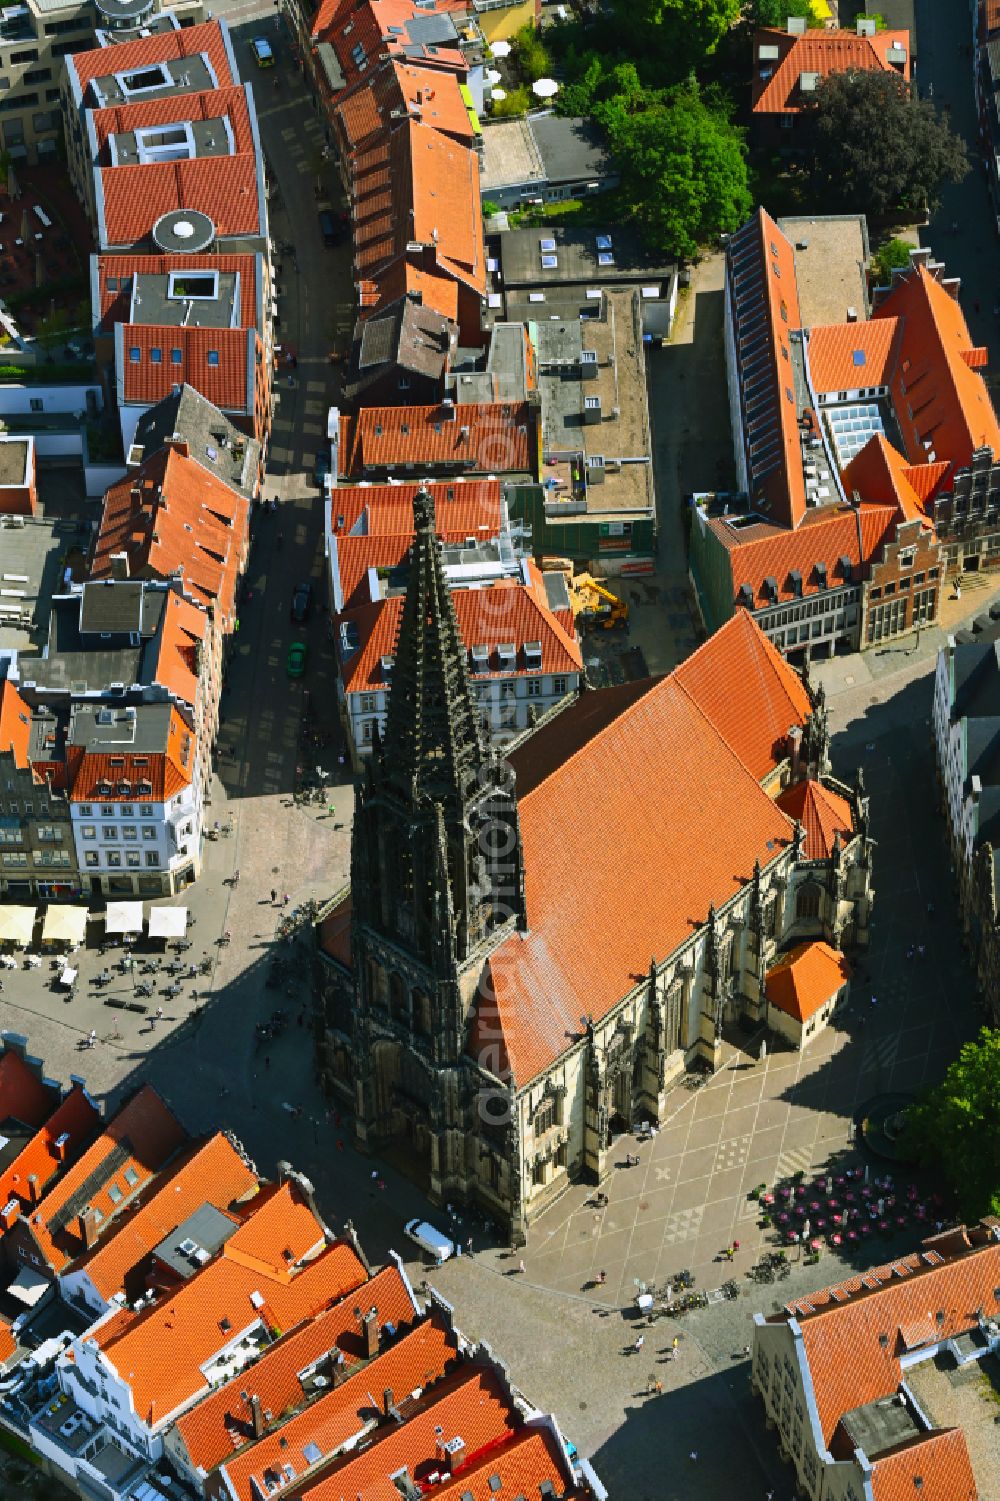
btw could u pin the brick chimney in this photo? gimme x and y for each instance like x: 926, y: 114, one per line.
x: 34, y: 1188
x: 451, y: 1453
x: 256, y: 1416
x: 60, y: 1146
x: 388, y: 1401
x: 795, y: 746
x: 88, y: 1228
x: 370, y: 1323
x: 338, y: 1366
x: 179, y: 445
x: 9, y: 1213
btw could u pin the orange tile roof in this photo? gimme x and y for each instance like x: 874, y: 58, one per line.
x: 8, y: 1344
x: 278, y: 1232
x: 935, y: 1468
x: 523, y: 1463
x: 718, y: 679
x: 761, y: 263
x: 494, y: 438
x: 166, y: 771
x: 402, y: 278
x: 228, y: 104
x: 826, y: 536
x: 15, y: 724
x: 658, y: 776
x: 115, y: 303
x: 805, y: 979
x: 822, y: 52
x: 427, y: 94
x: 182, y: 632
x: 160, y: 1352
x: 846, y: 356
x: 506, y: 612
x: 78, y: 1120
x: 228, y: 385
x: 378, y: 29
x: 208, y: 1172
x: 415, y: 1363
x: 879, y: 473
x: 949, y: 402
x: 926, y: 478
x: 141, y: 1138
x: 823, y: 815
x: 23, y: 1095
x: 221, y: 1423
x: 848, y: 1364
x: 172, y: 516
x: 208, y: 37
x: 223, y: 187
x: 473, y: 1404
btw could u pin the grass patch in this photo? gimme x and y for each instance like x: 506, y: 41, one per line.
x: 16, y: 1445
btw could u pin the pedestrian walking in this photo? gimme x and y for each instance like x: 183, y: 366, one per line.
x: 520, y: 1266
x: 640, y: 1341
x: 236, y: 877
x: 92, y: 1039
x: 267, y: 1060
x: 274, y: 896
x: 468, y: 1246
x: 693, y: 1456
x: 602, y: 1277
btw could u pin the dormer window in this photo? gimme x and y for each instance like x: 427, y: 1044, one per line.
x: 480, y: 659
x: 533, y: 656
x: 507, y: 652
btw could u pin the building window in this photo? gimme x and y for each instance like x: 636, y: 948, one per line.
x: 175, y: 356
x: 109, y: 831
x: 148, y: 833
x: 132, y: 859
x: 534, y: 688
x: 152, y: 858
x: 90, y: 857
x: 156, y: 355
x: 558, y: 685
x: 86, y: 811
x: 114, y: 858
x: 807, y: 900
x: 367, y: 703
x: 213, y: 356
x: 545, y: 1117
x: 134, y: 354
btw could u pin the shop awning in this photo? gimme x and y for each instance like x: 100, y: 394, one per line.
x: 168, y: 922
x: 123, y: 917
x: 65, y: 925
x: 17, y: 925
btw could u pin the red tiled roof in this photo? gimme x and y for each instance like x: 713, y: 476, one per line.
x: 879, y: 473
x: 228, y: 104
x: 148, y: 1133
x: 160, y: 1352
x: 753, y: 724
x: 23, y: 1096
x: 172, y: 516
x: 115, y: 305
x: 935, y: 1467
x: 805, y: 979
x: 377, y: 29
x: 524, y: 1463
x: 208, y: 1172
x: 473, y: 1404
x: 8, y: 1344
x: 846, y: 356
x: 227, y: 384
x: 223, y: 187
x: 507, y: 612
x: 77, y: 1120
x: 823, y: 815
x: 427, y: 94
x: 821, y: 52
x: 183, y: 628
x: 925, y: 478
x: 208, y: 37
x: 494, y: 438
x: 222, y: 1422
x: 166, y: 771
x: 826, y: 536
x: 278, y: 1232
x: 848, y: 1363
x: 402, y: 278
x: 659, y: 775
x: 15, y: 724
x: 949, y: 402
x: 415, y: 1363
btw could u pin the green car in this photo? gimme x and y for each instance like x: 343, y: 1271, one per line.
x: 295, y: 666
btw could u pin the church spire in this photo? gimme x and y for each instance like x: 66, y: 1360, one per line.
x: 433, y: 739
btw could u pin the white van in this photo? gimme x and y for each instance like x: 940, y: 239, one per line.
x: 430, y: 1240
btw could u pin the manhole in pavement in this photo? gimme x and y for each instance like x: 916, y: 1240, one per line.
x: 583, y: 1407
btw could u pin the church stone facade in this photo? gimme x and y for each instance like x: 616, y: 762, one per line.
x: 487, y: 1018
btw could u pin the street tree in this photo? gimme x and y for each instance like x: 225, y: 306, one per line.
x: 874, y: 146
x: 955, y: 1127
x: 683, y: 167
x: 776, y: 13
x: 679, y: 32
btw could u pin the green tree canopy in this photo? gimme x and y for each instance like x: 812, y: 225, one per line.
x: 956, y: 1126
x: 874, y: 146
x: 683, y: 166
x: 680, y: 32
x: 889, y: 255
x: 776, y: 12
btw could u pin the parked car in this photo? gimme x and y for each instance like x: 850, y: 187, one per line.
x: 301, y: 602
x: 295, y: 664
x: 331, y: 228
x: 430, y: 1240
x: 263, y: 52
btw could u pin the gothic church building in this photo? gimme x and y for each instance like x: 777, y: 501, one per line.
x: 534, y: 949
